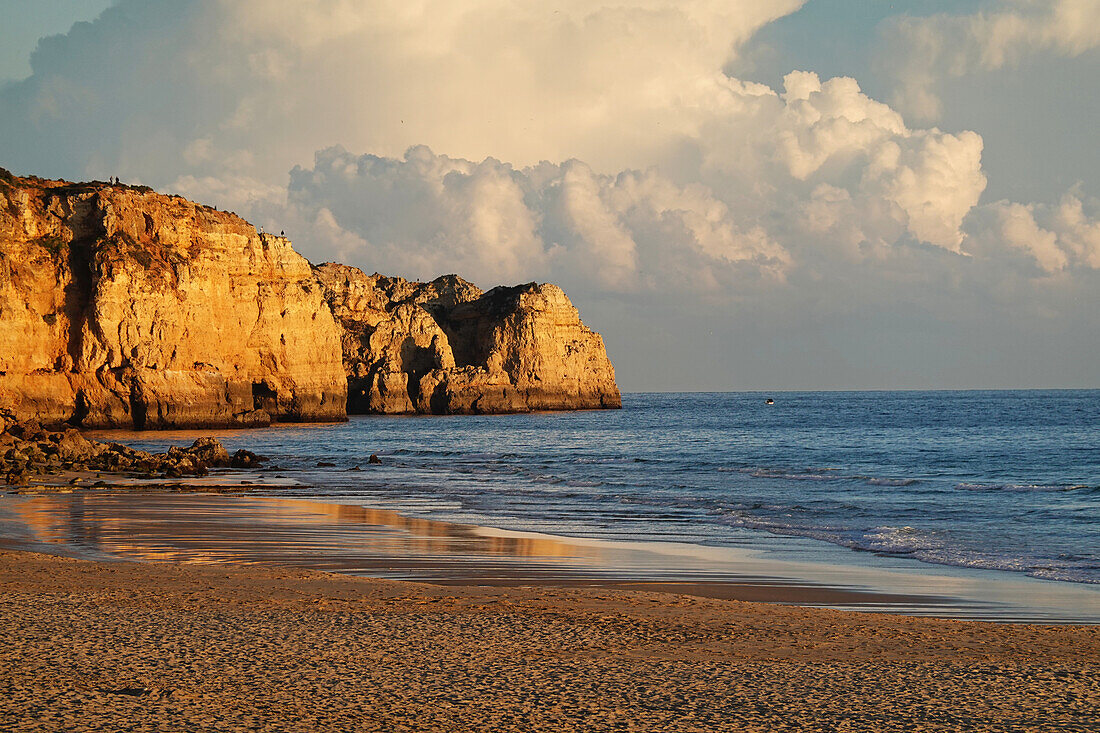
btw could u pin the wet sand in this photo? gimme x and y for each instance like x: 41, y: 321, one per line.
x: 352, y: 539
x: 162, y: 646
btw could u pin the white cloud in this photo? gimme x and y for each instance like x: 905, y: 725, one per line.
x: 936, y: 180
x: 818, y: 173
x: 1054, y: 237
x: 426, y: 214
x: 1017, y: 228
x: 1078, y: 231
x: 241, y: 194
x: 922, y: 51
x: 787, y: 145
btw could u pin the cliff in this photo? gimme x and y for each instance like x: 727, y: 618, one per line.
x: 447, y: 347
x: 123, y: 307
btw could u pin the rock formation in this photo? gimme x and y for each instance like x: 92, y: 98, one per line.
x: 447, y: 347
x: 123, y: 307
x: 27, y: 450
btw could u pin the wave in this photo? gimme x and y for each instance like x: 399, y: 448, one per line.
x: 1026, y: 487
x: 926, y: 546
x: 818, y: 474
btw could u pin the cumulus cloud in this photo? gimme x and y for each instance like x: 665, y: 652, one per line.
x: 763, y: 150
x: 818, y: 169
x: 832, y: 131
x: 922, y: 51
x: 821, y: 177
x: 1054, y: 238
x: 425, y: 214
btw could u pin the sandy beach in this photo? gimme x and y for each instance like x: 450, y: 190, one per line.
x: 161, y: 646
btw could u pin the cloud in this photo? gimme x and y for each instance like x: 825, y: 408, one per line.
x: 218, y: 99
x: 819, y: 170
x: 424, y: 214
x: 920, y: 52
x: 824, y: 185
x: 763, y: 150
x: 1054, y: 238
x: 249, y: 88
x: 934, y: 178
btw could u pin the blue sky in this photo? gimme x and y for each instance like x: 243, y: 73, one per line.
x: 26, y: 22
x: 739, y: 194
x: 831, y: 37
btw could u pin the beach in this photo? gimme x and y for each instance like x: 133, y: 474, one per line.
x: 557, y: 573
x: 164, y: 646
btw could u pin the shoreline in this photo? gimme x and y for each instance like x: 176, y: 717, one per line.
x: 885, y: 506
x: 93, y: 645
x: 240, y: 528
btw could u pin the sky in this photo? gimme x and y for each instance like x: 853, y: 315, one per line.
x: 738, y: 194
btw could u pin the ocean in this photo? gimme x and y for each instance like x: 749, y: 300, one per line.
x: 1005, y: 482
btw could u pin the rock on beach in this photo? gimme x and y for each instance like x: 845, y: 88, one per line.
x: 27, y: 450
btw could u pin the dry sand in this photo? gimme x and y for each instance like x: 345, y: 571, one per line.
x: 143, y: 646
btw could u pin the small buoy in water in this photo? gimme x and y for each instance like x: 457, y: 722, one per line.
x: 374, y: 458
x: 769, y: 401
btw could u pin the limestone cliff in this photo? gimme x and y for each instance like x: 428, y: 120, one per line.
x: 123, y: 307
x: 447, y: 347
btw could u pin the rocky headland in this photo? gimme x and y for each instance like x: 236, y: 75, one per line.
x: 447, y: 347
x: 122, y: 307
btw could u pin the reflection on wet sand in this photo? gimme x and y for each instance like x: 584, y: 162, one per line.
x: 199, y: 528
x: 218, y: 529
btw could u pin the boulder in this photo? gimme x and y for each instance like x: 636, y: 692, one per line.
x: 46, y: 451
x: 210, y: 451
x: 245, y: 459
x: 72, y: 446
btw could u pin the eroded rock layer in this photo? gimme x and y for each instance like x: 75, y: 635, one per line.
x: 447, y: 347
x: 123, y: 307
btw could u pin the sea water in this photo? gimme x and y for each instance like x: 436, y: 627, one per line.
x: 998, y: 480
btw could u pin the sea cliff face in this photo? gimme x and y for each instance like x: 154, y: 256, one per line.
x: 447, y: 347
x: 121, y: 307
